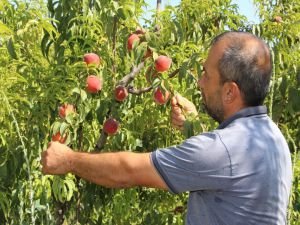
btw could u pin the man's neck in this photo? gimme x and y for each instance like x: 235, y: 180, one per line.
x: 230, y: 111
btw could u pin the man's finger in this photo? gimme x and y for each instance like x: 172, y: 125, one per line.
x: 176, y: 111
x: 173, y: 101
x: 177, y: 127
x: 180, y: 100
x: 178, y: 117
x: 178, y: 121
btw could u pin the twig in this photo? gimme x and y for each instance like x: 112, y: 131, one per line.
x: 101, y: 141
x: 173, y: 74
x: 133, y: 91
x: 158, y: 4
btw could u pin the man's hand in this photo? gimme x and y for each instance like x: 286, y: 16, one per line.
x: 56, y: 159
x: 181, y: 107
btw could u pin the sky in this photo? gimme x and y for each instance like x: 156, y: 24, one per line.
x: 246, y: 7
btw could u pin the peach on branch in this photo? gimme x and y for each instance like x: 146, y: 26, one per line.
x: 93, y: 84
x: 161, y: 96
x: 162, y: 63
x: 65, y: 110
x: 111, y: 126
x: 91, y: 58
x: 121, y: 93
x: 58, y: 137
x: 131, y: 39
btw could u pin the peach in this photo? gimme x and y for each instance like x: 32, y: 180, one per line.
x: 162, y: 63
x: 160, y: 96
x: 111, y: 126
x: 59, y: 138
x: 93, y: 84
x: 121, y: 93
x: 65, y: 110
x: 91, y: 58
x: 131, y: 39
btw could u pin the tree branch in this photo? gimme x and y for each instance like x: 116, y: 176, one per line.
x: 133, y: 91
x: 101, y: 141
x: 130, y: 76
x: 173, y: 74
x: 158, y: 4
x: 125, y: 81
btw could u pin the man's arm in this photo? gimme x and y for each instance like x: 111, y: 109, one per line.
x: 118, y: 170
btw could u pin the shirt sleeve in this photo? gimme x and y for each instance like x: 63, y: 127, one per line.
x: 200, y: 163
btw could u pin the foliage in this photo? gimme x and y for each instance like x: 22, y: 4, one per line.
x: 41, y: 68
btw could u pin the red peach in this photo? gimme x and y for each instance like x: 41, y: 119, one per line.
x: 111, y: 126
x: 121, y: 93
x: 162, y: 63
x: 91, y: 58
x: 161, y: 97
x: 131, y: 39
x: 59, y: 138
x: 65, y: 110
x: 93, y: 84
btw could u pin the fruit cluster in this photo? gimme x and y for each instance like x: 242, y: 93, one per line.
x: 94, y: 84
x: 161, y: 64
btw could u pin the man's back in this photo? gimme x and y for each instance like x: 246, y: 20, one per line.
x: 261, y: 172
x: 237, y: 175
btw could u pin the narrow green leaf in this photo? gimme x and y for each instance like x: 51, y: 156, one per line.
x: 11, y: 49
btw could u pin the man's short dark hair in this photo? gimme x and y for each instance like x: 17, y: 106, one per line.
x: 247, y: 62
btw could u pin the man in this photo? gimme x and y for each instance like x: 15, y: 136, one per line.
x: 239, y: 173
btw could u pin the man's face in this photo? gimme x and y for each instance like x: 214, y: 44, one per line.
x: 210, y: 86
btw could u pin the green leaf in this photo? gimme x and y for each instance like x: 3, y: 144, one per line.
x: 283, y: 86
x: 63, y: 127
x: 4, y: 30
x: 4, y: 203
x: 3, y: 171
x: 294, y: 96
x: 56, y: 126
x: 11, y: 49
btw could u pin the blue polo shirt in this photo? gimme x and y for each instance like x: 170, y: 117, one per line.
x: 238, y: 174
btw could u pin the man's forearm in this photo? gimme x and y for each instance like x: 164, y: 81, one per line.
x: 107, y: 169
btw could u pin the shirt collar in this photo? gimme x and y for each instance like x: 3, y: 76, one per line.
x: 246, y: 112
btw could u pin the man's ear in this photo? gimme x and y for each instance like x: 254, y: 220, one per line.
x: 230, y: 92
